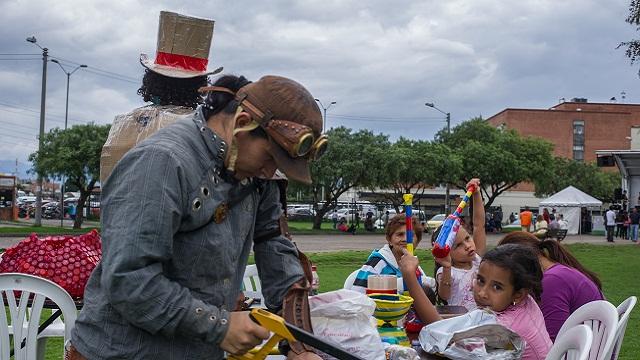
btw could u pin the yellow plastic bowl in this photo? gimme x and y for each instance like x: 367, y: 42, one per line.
x: 391, y: 307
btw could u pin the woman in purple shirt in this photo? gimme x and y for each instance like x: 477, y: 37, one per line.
x: 566, y: 284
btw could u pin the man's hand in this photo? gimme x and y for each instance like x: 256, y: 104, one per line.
x: 307, y: 355
x: 243, y: 334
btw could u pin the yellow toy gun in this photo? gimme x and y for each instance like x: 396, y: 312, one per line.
x: 282, y: 330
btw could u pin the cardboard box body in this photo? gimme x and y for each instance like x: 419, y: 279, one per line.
x: 130, y: 129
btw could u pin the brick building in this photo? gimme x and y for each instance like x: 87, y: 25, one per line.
x: 578, y: 128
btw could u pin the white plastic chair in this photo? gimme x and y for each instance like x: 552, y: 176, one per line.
x: 624, y: 310
x: 38, y: 289
x: 348, y: 283
x: 251, y: 280
x: 574, y: 344
x: 601, y: 316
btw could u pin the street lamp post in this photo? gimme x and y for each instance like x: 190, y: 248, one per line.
x: 324, y: 125
x: 66, y: 118
x: 324, y: 119
x: 447, y: 206
x: 43, y: 95
x: 68, y: 73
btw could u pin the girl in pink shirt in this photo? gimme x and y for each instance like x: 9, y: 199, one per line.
x: 509, y: 281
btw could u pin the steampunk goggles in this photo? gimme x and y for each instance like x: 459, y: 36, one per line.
x: 296, y: 139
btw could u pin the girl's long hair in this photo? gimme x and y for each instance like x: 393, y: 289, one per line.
x: 552, y: 250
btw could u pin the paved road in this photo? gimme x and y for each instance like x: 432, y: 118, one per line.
x: 322, y: 243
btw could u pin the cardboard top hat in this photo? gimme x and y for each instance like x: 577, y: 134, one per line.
x: 183, y: 47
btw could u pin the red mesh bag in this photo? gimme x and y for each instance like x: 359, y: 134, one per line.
x: 66, y: 260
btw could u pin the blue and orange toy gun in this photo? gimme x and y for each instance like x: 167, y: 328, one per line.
x: 450, y: 227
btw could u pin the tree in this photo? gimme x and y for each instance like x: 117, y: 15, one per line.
x: 584, y: 176
x: 75, y: 154
x: 352, y: 159
x: 500, y: 158
x: 413, y: 166
x: 633, y: 46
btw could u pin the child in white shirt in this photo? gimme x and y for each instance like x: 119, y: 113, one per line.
x: 458, y: 270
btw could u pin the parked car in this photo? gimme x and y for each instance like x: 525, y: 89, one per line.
x: 301, y: 214
x: 348, y: 215
x: 434, y: 222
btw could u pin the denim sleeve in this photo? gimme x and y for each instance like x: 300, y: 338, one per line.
x: 276, y: 257
x: 142, y: 210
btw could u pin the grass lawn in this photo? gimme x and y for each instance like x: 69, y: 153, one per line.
x: 20, y: 230
x: 617, y: 267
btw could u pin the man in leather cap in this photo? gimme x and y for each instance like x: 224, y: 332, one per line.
x: 180, y: 214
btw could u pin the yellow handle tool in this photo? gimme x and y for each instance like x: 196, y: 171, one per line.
x: 282, y: 330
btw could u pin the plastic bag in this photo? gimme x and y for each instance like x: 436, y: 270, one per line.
x: 345, y: 317
x: 475, y: 335
x: 398, y: 352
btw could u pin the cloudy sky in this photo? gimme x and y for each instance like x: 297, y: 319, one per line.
x: 379, y: 60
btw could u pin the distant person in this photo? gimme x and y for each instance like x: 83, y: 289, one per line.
x: 368, y: 222
x: 525, y: 219
x: 634, y: 219
x: 342, y: 226
x: 585, y: 218
x: 498, y: 219
x: 620, y: 216
x: 553, y: 224
x: 334, y: 218
x: 545, y: 215
x: 626, y: 226
x: 541, y: 227
x: 72, y: 211
x: 610, y: 223
x: 512, y: 218
x: 564, y: 224
x: 385, y: 218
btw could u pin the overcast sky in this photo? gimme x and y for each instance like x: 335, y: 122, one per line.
x: 379, y: 60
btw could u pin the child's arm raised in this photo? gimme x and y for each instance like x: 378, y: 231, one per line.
x: 425, y: 309
x: 479, y: 234
x: 444, y: 278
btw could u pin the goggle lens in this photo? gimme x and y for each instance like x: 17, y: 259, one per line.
x: 304, y: 145
x: 321, y: 148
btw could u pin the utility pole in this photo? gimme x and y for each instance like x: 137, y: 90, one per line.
x: 325, y: 108
x: 43, y: 95
x: 66, y: 118
x: 447, y: 205
x: 324, y: 126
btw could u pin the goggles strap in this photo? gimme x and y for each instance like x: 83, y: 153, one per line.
x: 216, y: 89
x: 233, y: 157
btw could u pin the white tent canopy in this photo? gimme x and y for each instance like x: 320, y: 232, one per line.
x: 569, y: 202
